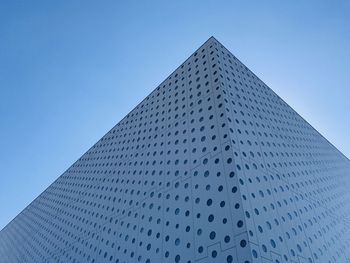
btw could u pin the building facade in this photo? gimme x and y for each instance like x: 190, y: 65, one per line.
x: 212, y: 166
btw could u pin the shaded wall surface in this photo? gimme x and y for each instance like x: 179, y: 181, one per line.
x: 212, y: 166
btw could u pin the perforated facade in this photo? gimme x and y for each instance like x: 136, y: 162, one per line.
x: 211, y: 167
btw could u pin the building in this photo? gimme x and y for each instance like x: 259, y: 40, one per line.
x: 211, y: 167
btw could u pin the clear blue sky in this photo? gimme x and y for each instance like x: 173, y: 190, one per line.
x: 70, y: 70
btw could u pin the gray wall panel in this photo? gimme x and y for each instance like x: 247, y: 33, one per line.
x: 211, y: 167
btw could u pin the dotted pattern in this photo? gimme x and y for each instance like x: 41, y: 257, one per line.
x: 211, y: 167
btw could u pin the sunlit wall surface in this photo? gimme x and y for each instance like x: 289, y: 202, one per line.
x: 211, y: 167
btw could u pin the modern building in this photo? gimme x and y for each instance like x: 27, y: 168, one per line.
x: 212, y: 166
